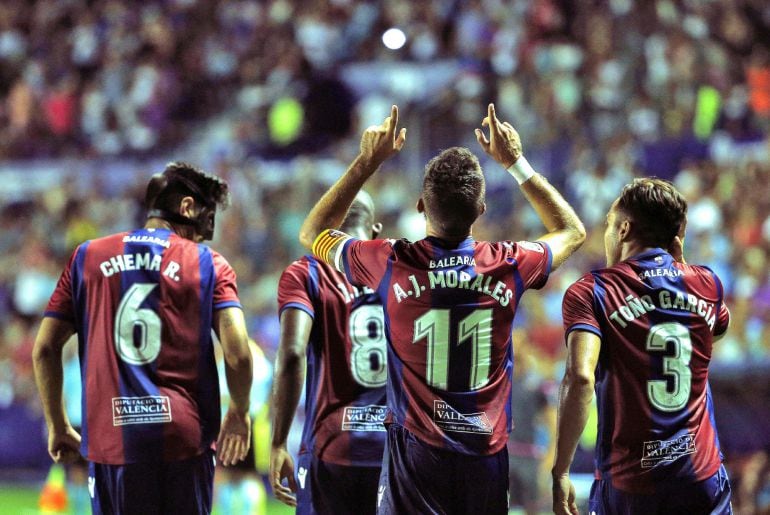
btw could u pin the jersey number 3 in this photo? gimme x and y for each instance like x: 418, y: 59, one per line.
x: 137, y: 329
x: 676, y: 366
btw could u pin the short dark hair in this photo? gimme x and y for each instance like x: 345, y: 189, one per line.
x: 453, y: 190
x: 657, y: 210
x: 178, y: 180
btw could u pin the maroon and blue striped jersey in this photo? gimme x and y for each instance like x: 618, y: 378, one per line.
x: 449, y: 313
x: 346, y: 364
x: 142, y: 303
x: 657, y: 320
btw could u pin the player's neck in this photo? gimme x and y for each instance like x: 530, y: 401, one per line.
x: 157, y: 223
x: 433, y: 232
x: 631, y: 249
x: 160, y: 223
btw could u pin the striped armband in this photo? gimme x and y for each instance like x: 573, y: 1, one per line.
x: 328, y: 247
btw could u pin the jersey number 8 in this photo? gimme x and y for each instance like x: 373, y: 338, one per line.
x: 368, y: 355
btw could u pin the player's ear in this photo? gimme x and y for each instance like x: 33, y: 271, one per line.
x: 483, y: 208
x: 420, y: 205
x: 624, y: 231
x: 682, y: 230
x: 187, y: 207
x: 376, y: 230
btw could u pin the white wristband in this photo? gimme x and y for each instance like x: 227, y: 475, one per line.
x: 521, y: 170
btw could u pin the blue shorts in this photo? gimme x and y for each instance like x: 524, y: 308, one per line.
x: 324, y: 487
x: 710, y: 496
x: 183, y: 487
x: 419, y: 478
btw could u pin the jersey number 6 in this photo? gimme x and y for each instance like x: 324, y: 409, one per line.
x: 137, y: 330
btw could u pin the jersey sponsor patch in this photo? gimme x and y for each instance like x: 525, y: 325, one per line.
x: 658, y: 451
x: 152, y: 409
x: 364, y: 418
x: 449, y: 419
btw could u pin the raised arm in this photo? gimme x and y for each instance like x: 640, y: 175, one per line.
x: 378, y: 143
x: 289, y: 375
x: 565, y: 230
x: 575, y: 394
x: 235, y: 434
x: 63, y: 440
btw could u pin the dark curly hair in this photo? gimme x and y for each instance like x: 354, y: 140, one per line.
x: 453, y: 191
x: 658, y: 212
x: 178, y: 180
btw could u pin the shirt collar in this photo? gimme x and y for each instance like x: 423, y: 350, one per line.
x: 444, y: 244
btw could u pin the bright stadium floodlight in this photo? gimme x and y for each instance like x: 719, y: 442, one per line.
x: 394, y: 38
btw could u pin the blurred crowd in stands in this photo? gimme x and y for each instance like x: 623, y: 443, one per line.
x: 95, y: 95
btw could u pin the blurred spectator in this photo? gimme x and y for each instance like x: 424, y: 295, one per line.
x: 269, y: 94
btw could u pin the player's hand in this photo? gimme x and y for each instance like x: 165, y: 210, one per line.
x: 676, y: 249
x: 504, y: 144
x: 282, y: 466
x: 64, y: 446
x: 234, y: 437
x: 564, y: 496
x: 380, y: 142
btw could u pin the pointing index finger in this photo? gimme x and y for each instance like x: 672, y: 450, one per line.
x: 393, y: 120
x: 492, y: 119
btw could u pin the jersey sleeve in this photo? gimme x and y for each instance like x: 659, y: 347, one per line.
x: 226, y: 288
x: 723, y: 320
x: 533, y: 260
x: 362, y: 261
x: 365, y: 261
x: 723, y: 316
x: 578, y: 308
x: 295, y: 289
x: 60, y: 305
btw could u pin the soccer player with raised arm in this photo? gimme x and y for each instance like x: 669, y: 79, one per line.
x: 336, y: 332
x: 449, y: 304
x: 143, y: 304
x: 640, y: 333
